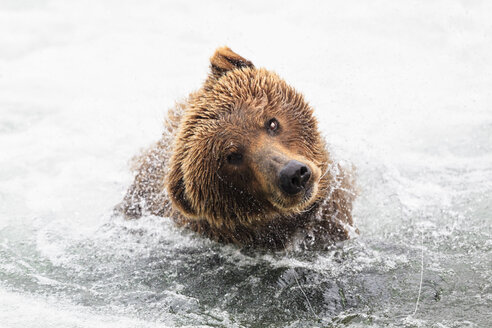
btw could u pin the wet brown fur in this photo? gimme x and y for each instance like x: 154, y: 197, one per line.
x: 184, y: 176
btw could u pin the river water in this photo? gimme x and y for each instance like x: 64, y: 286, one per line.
x: 401, y: 91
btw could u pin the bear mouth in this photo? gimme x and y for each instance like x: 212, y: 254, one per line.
x: 294, y: 203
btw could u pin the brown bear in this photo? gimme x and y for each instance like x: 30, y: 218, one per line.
x: 242, y: 161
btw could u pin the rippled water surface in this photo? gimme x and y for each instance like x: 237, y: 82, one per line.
x: 402, y: 92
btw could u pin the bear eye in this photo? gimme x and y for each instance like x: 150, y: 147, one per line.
x: 235, y: 158
x: 272, y: 125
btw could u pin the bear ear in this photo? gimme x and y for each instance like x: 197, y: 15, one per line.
x: 224, y: 60
x: 177, y: 192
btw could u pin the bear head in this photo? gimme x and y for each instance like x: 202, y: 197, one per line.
x: 248, y: 148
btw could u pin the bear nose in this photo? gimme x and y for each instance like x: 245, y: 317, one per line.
x: 293, y: 177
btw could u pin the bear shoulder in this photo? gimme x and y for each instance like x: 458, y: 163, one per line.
x: 147, y: 194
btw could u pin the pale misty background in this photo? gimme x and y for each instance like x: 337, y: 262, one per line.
x: 401, y: 90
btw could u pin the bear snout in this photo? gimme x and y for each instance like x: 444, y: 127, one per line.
x: 293, y: 177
